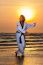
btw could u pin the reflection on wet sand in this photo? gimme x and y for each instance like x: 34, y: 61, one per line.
x: 7, y: 57
x: 19, y: 60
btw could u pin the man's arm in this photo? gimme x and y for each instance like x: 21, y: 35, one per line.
x: 30, y: 25
x: 20, y: 29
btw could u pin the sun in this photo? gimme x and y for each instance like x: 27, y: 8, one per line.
x: 27, y: 12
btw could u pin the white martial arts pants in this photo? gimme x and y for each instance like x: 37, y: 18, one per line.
x: 21, y: 46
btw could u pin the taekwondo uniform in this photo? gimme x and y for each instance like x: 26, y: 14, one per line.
x: 20, y: 36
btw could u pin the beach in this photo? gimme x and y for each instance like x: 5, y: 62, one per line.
x: 33, y: 53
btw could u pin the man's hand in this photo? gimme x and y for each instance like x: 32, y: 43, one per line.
x: 34, y: 24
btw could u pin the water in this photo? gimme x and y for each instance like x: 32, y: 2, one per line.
x: 33, y: 52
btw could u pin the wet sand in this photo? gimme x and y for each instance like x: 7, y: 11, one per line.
x: 31, y: 57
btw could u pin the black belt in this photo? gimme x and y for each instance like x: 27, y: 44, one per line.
x: 18, y: 32
x: 20, y: 37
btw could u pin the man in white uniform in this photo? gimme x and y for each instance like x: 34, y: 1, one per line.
x: 22, y: 26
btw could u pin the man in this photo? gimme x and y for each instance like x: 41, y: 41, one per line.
x: 22, y: 26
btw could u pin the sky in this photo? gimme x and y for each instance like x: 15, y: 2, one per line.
x: 9, y: 14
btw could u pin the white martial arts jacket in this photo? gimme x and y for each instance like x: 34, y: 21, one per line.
x: 25, y: 27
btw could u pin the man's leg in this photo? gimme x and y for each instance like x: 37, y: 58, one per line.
x: 23, y: 44
x: 17, y: 38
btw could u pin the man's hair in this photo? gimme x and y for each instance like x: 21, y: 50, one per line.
x: 22, y: 17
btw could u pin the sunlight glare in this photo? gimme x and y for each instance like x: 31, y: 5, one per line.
x: 27, y: 12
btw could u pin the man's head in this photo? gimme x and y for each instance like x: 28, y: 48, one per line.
x: 22, y: 18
